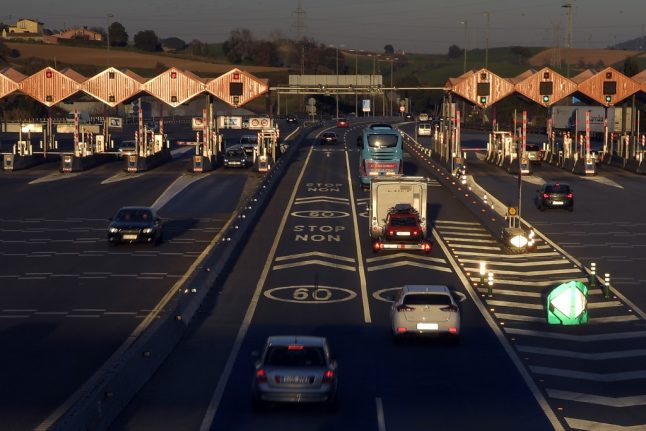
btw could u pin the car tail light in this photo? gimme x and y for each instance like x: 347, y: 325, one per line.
x: 570, y: 195
x: 453, y: 330
x: 328, y: 377
x: 546, y: 195
x: 401, y: 330
x: 415, y: 232
x: 402, y: 307
x: 451, y: 307
x: 426, y: 246
x: 261, y: 375
x: 391, y: 232
x: 376, y: 246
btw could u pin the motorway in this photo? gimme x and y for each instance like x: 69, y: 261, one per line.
x: 206, y: 383
x: 308, y: 268
x: 69, y: 300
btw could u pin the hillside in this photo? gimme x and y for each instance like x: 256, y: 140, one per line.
x: 582, y: 57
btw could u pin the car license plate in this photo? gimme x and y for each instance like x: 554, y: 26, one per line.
x: 294, y: 379
x: 403, y: 233
x: 127, y: 236
x: 557, y: 203
x: 428, y: 326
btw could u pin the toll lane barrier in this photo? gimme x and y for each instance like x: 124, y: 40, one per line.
x: 102, y: 398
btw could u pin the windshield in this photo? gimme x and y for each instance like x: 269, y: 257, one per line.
x: 136, y: 214
x: 248, y: 140
x: 283, y: 356
x: 235, y: 153
x: 382, y: 141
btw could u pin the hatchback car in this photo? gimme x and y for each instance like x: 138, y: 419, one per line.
x: 235, y: 157
x: 408, y: 116
x: 342, y: 122
x: 328, y: 138
x: 295, y: 369
x: 249, y: 143
x: 291, y: 118
x: 555, y: 195
x: 534, y: 153
x: 425, y: 309
x: 135, y: 224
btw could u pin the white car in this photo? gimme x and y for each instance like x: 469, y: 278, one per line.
x: 425, y: 310
x: 424, y: 129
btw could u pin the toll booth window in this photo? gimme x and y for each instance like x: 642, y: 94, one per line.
x: 382, y: 141
x: 484, y: 88
x: 610, y: 87
x: 546, y: 88
x: 235, y: 89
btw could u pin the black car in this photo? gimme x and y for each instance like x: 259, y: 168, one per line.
x: 135, y: 224
x: 555, y: 195
x: 328, y: 138
x: 235, y: 156
x: 291, y: 119
x: 408, y: 116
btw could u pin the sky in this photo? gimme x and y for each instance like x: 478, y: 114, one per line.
x: 415, y: 26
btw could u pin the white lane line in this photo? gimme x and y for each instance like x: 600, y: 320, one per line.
x: 498, y: 281
x: 604, y: 304
x: 637, y: 400
x: 470, y: 240
x: 121, y: 176
x: 18, y: 310
x: 522, y: 264
x: 120, y: 313
x: 455, y: 222
x: 333, y: 198
x: 519, y: 318
x: 529, y: 273
x: 585, y: 425
x: 362, y: 271
x: 214, y: 403
x: 315, y: 253
x: 601, y: 356
x: 479, y: 247
x: 515, y: 304
x: 502, y: 339
x: 582, y: 375
x: 89, y: 310
x: 512, y: 292
x: 408, y: 255
x: 408, y: 263
x: 55, y: 177
x: 381, y: 420
x: 50, y: 313
x: 314, y: 262
x: 92, y: 316
x: 466, y: 234
x: 509, y: 256
x: 175, y: 188
x: 615, y: 319
x: 578, y: 338
x: 322, y: 200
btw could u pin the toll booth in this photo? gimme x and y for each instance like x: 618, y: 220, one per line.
x: 267, y: 149
x: 151, y: 150
x: 206, y: 153
x: 500, y: 144
x: 89, y: 149
x: 21, y: 157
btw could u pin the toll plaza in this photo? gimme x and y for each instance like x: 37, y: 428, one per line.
x: 92, y: 143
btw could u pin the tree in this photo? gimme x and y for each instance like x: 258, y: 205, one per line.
x: 196, y: 47
x: 389, y: 49
x: 118, y: 35
x: 455, y: 51
x: 147, y: 40
x: 631, y: 68
x: 239, y: 46
x: 173, y: 44
x: 265, y: 54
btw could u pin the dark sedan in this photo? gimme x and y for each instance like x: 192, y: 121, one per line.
x: 555, y: 195
x: 328, y: 138
x: 135, y: 224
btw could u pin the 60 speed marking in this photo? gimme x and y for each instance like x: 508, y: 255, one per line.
x: 310, y: 294
x: 320, y: 214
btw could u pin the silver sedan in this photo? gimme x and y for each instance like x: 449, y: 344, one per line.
x: 425, y: 309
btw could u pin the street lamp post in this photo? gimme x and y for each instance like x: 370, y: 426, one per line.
x: 107, y: 33
x: 466, y: 32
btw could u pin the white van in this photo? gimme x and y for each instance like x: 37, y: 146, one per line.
x: 424, y: 129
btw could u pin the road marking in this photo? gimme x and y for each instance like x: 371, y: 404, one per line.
x: 502, y: 339
x: 531, y: 263
x: 546, y: 283
x: 214, y: 403
x: 176, y: 187
x: 638, y: 400
x: 314, y: 253
x: 55, y: 176
x: 121, y: 176
x: 509, y: 256
x: 310, y: 198
x: 450, y: 240
x: 519, y: 318
x: 313, y: 262
x: 614, y: 319
x: 479, y: 247
x: 604, y: 304
x: 578, y: 338
x: 408, y: 263
x: 465, y: 234
x: 405, y: 254
x: 582, y: 375
x: 530, y: 273
x: 601, y: 356
x: 585, y: 425
x: 515, y: 304
x: 323, y: 200
x: 513, y: 292
x: 381, y: 420
x: 603, y: 180
x: 463, y: 223
x: 362, y: 272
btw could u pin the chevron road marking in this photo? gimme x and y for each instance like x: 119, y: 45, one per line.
x: 531, y: 283
x: 615, y: 319
x: 513, y: 292
x: 313, y: 262
x: 583, y: 425
x: 408, y: 263
x: 332, y: 198
x: 510, y: 256
x: 479, y: 247
x: 530, y: 273
x: 520, y: 318
x: 410, y: 255
x: 461, y: 229
x: 582, y: 375
x: 467, y: 234
x: 638, y: 400
x: 515, y: 304
x: 314, y: 253
x: 578, y: 338
x: 601, y: 356
x: 464, y: 223
x: 534, y: 263
x: 604, y: 304
x: 470, y: 240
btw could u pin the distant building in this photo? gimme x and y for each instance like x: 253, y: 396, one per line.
x: 81, y: 33
x: 25, y: 29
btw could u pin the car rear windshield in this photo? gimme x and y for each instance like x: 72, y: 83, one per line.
x: 134, y: 215
x: 382, y: 141
x: 557, y: 188
x: 329, y: 135
x: 532, y: 148
x: 283, y: 356
x: 426, y: 299
x: 403, y: 221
